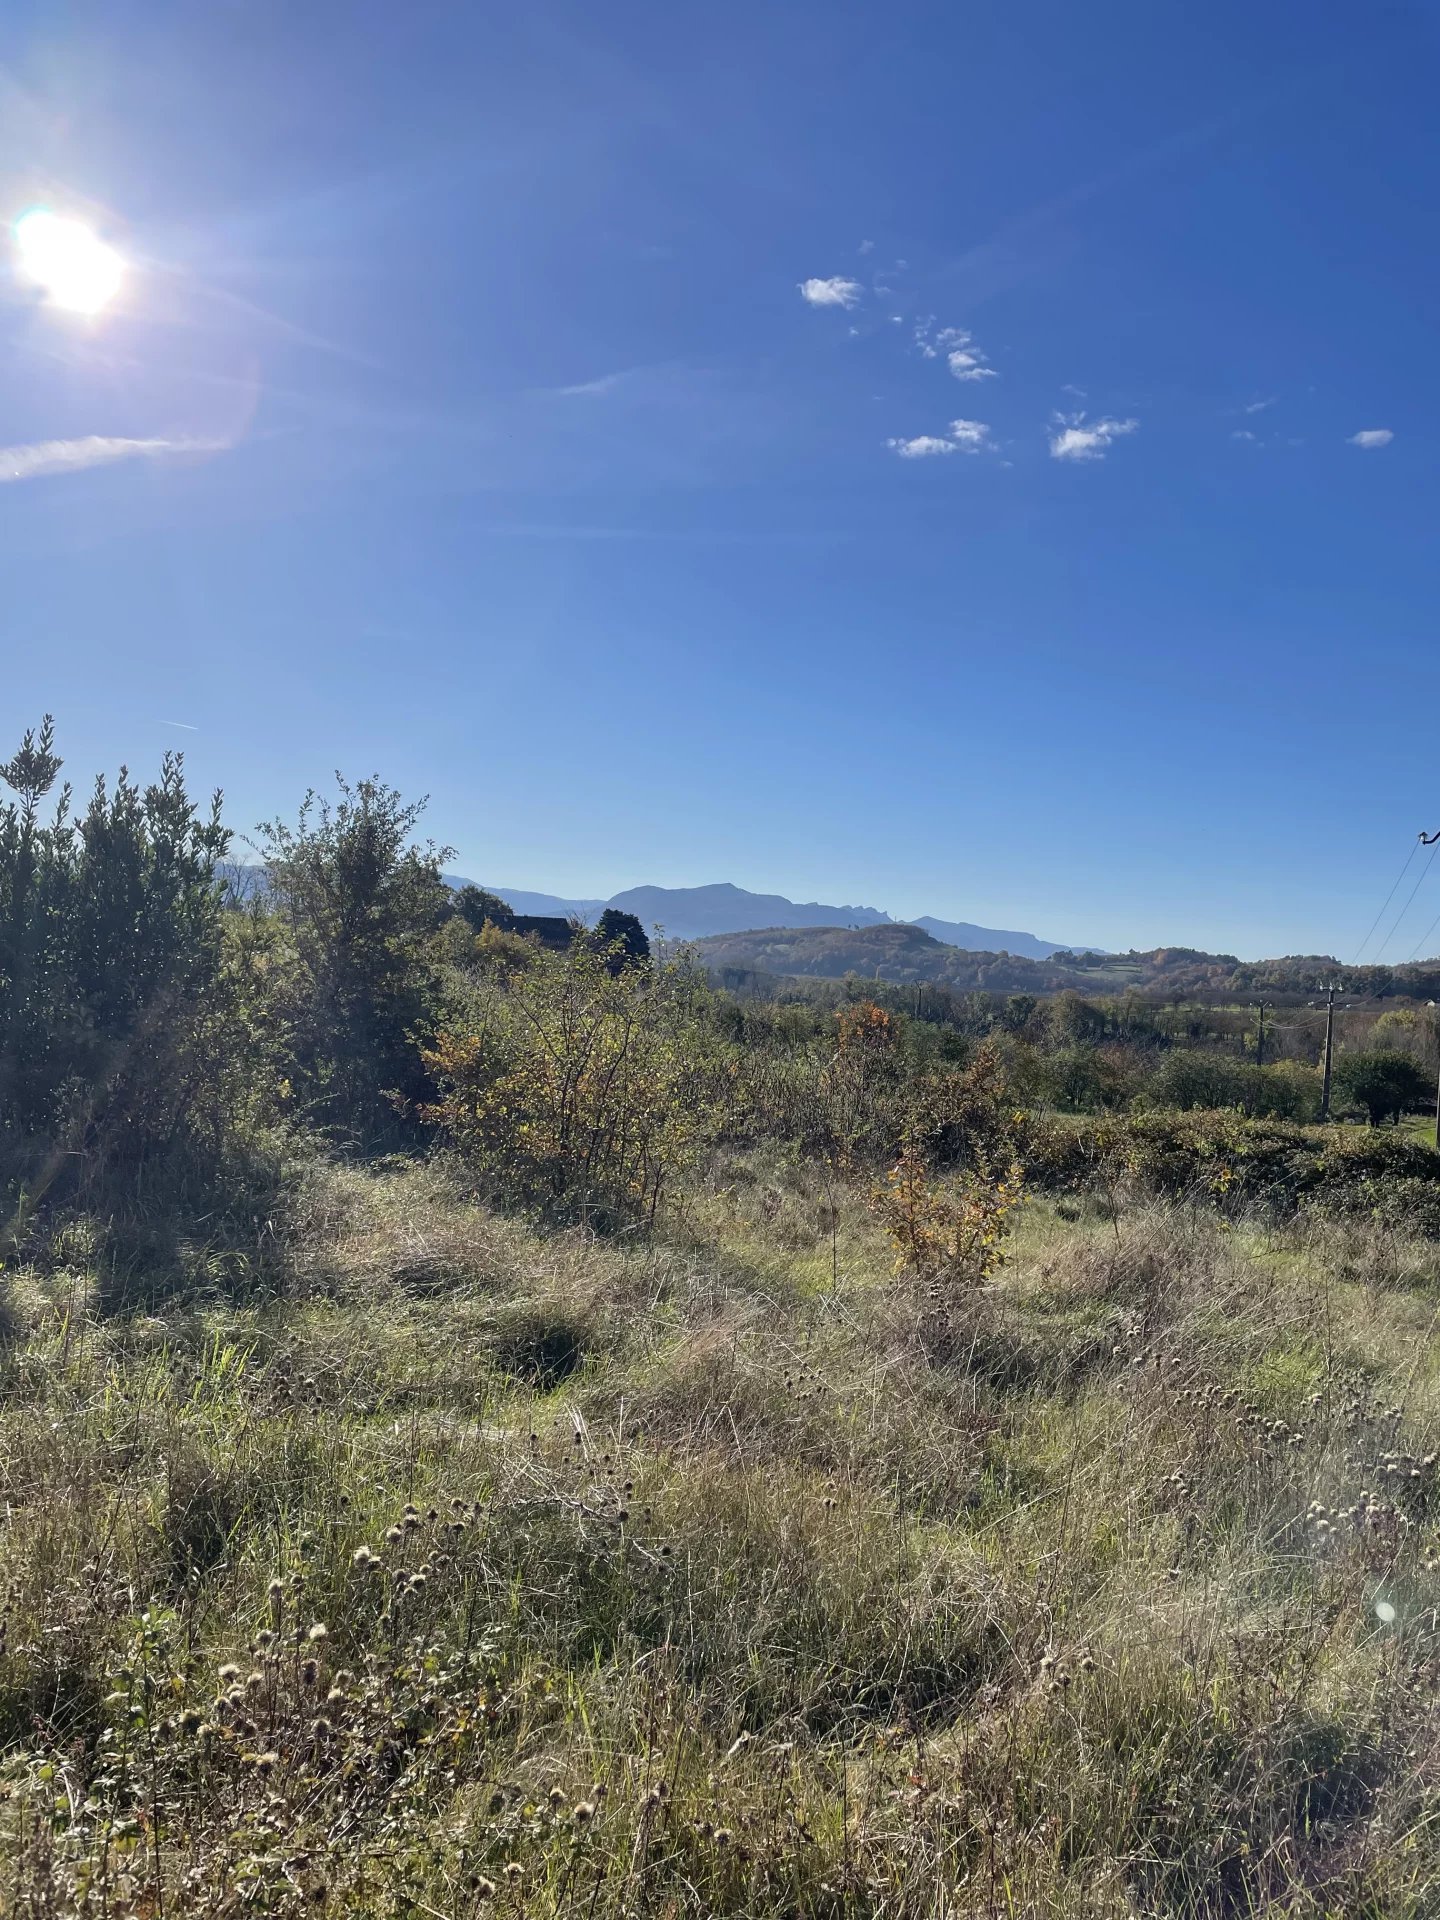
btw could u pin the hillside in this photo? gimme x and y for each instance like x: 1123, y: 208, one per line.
x: 909, y: 953
x: 890, y: 952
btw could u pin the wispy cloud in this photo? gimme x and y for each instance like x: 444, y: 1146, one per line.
x: 965, y: 436
x: 1372, y: 437
x: 967, y: 362
x: 44, y: 457
x: 183, y: 725
x: 1244, y: 433
x: 925, y: 446
x: 964, y: 358
x: 1259, y: 406
x: 606, y: 383
x: 1077, y: 438
x: 837, y: 292
x: 973, y: 436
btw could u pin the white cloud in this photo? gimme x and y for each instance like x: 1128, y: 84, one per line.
x: 838, y: 292
x: 924, y: 446
x: 1259, y: 406
x: 965, y: 436
x: 603, y: 383
x: 44, y: 457
x: 1079, y: 439
x: 1244, y: 433
x: 1372, y: 437
x: 967, y: 362
x: 867, y: 246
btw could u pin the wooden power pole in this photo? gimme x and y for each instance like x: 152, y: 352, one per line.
x: 1260, y: 1035
x: 1329, y: 1052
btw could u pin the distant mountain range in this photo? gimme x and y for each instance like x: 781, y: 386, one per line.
x: 695, y: 913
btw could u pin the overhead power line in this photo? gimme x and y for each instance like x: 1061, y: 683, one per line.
x: 1394, y: 887
x: 1433, y: 842
x: 1415, y: 950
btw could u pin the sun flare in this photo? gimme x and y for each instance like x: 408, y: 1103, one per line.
x: 70, y: 265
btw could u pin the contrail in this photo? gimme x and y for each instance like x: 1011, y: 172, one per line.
x: 95, y: 450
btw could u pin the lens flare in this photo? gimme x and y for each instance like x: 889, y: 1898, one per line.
x: 70, y: 265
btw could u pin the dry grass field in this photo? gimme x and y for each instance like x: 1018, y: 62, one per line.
x: 483, y: 1571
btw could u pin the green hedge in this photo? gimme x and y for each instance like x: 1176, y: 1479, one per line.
x: 1241, y: 1165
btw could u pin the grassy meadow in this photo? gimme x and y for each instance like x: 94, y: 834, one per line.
x: 481, y: 1570
x: 491, y: 1427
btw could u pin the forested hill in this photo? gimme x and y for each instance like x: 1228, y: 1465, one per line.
x: 906, y: 953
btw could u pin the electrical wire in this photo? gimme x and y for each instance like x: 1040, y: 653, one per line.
x: 1419, y: 882
x: 1414, y: 951
x: 1414, y: 849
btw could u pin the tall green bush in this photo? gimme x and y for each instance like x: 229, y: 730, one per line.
x: 113, y: 1067
x: 360, y: 903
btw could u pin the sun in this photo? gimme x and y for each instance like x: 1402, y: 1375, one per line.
x: 72, y: 267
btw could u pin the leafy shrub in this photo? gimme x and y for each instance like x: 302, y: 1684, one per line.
x: 121, y: 1072
x: 1197, y: 1077
x: 949, y: 1239
x: 1382, y: 1082
x: 360, y: 904
x: 574, y: 1086
x: 1234, y: 1163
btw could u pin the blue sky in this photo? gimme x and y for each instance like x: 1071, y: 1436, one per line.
x: 554, y: 409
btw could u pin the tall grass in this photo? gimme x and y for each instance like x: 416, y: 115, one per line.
x: 555, y: 1575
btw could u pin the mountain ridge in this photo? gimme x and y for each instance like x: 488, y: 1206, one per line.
x: 721, y: 908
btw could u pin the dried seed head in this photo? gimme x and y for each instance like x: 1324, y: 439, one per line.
x: 583, y: 1814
